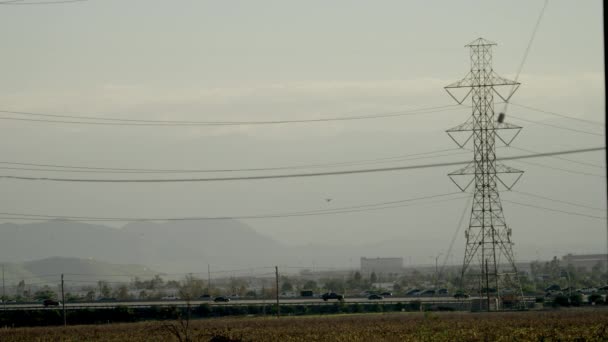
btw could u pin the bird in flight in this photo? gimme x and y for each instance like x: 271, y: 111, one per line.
x: 328, y: 199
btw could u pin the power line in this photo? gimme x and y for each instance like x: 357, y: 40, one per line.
x: 527, y: 51
x: 455, y: 236
x: 555, y: 210
x: 558, y: 114
x: 414, y: 156
x: 556, y: 126
x: 561, y: 169
x: 340, y: 210
x: 556, y: 200
x: 293, y: 175
x: 562, y: 158
x: 136, y: 122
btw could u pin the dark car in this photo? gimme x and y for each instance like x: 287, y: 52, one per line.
x: 374, y: 296
x: 221, y: 299
x: 413, y: 292
x: 332, y: 295
x: 50, y: 302
x: 107, y: 299
x: 427, y: 293
x: 461, y: 294
x: 386, y: 294
x: 553, y: 287
x: 442, y: 291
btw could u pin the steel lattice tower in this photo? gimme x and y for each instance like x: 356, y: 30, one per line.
x: 489, y: 267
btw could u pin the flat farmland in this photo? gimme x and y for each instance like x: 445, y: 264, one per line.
x: 562, y: 325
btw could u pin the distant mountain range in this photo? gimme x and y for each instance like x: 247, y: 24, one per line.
x: 175, y: 246
x: 187, y: 246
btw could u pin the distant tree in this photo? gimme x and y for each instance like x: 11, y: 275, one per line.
x: 156, y: 283
x: 357, y: 276
x: 373, y: 278
x: 105, y: 291
x: 70, y: 297
x: 238, y: 286
x: 191, y: 287
x: 172, y: 284
x: 21, y: 288
x: 45, y: 293
x: 90, y: 296
x: 336, y: 285
x: 286, y: 284
x: 122, y: 292
x: 310, y: 285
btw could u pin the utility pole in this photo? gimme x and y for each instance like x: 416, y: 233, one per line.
x: 276, y: 272
x: 487, y: 286
x: 437, y: 271
x: 3, y: 290
x: 209, y: 280
x: 65, y: 321
x: 488, y: 239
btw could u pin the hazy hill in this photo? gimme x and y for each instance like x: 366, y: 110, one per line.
x: 188, y: 246
x: 174, y: 246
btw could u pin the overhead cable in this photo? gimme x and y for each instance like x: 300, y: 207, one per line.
x: 293, y: 175
x: 339, y: 210
x: 557, y: 114
x: 136, y: 122
x: 562, y: 158
x: 72, y: 168
x: 561, y: 169
x: 527, y: 51
x: 557, y: 126
x: 554, y: 210
x: 556, y: 200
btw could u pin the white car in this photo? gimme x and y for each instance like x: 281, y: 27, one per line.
x: 170, y: 298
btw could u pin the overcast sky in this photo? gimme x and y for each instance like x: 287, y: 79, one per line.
x: 270, y: 60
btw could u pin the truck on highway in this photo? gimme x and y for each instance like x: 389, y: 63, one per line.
x: 332, y: 295
x: 307, y: 293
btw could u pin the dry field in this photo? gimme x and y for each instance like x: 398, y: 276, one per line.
x: 563, y: 325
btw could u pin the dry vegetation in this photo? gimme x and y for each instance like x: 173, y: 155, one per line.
x: 565, y: 325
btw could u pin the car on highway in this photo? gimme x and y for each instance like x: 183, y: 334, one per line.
x: 221, y: 299
x: 460, y: 295
x: 50, y: 302
x: 386, y: 294
x: 106, y: 299
x: 587, y: 290
x: 170, y: 298
x: 442, y: 291
x: 413, y: 292
x: 375, y: 297
x: 427, y: 293
x: 332, y: 295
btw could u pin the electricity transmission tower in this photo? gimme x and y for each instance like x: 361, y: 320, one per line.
x: 489, y: 268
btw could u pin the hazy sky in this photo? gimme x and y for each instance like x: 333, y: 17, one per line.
x: 268, y: 60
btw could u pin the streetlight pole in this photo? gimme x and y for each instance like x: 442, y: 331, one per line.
x: 569, y: 285
x: 437, y: 271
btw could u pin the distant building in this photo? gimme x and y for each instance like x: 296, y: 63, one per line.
x: 381, y: 266
x: 586, y: 261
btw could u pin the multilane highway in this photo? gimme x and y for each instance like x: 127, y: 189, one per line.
x: 286, y: 301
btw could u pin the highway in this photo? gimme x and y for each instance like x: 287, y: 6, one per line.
x: 283, y: 301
